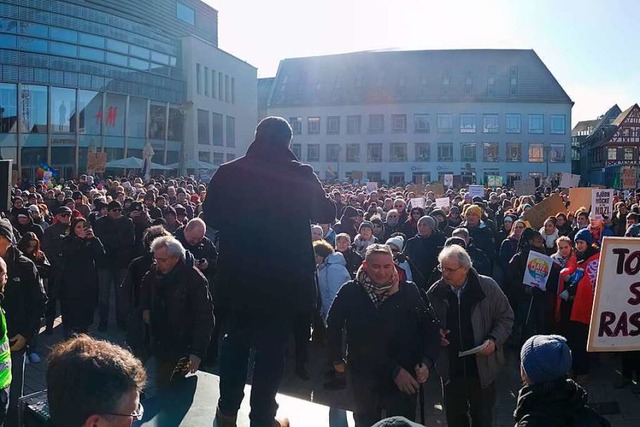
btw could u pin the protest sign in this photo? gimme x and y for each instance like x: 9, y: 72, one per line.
x: 476, y: 190
x: 629, y: 178
x: 437, y: 188
x: 418, y: 202
x: 601, y: 203
x: 46, y: 177
x: 569, y: 180
x: 417, y: 189
x: 580, y: 198
x: 372, y: 186
x: 494, y: 181
x: 615, y: 318
x: 448, y: 180
x: 537, y: 271
x: 442, y: 202
x: 546, y: 208
x: 96, y: 162
x: 525, y: 187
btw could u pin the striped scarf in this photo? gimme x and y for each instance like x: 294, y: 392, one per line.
x: 377, y: 294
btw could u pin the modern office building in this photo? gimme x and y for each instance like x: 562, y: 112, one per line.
x: 112, y: 76
x: 404, y: 116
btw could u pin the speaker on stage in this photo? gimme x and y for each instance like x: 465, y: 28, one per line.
x: 5, y: 185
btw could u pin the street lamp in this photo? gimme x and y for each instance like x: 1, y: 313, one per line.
x: 184, y: 108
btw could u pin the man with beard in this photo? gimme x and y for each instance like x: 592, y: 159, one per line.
x: 392, y: 341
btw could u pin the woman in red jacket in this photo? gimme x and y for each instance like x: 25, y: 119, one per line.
x: 575, y: 300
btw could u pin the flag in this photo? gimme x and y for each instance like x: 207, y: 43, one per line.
x: 331, y: 173
x: 44, y: 167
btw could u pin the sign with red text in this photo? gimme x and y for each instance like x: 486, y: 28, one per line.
x: 601, y: 203
x: 615, y: 318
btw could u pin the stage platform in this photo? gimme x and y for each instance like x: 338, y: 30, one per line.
x: 192, y: 403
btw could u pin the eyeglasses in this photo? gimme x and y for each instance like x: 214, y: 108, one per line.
x: 138, y: 414
x: 447, y: 270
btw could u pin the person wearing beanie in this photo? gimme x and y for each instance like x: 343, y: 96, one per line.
x: 441, y: 219
x: 347, y: 222
x: 454, y: 219
x: 378, y: 228
x: 575, y: 300
x: 24, y: 223
x: 396, y: 243
x: 24, y: 304
x: 316, y: 232
x: 364, y: 238
x: 483, y: 236
x: 549, y: 398
x: 423, y: 249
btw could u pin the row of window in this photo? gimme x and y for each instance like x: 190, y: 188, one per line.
x: 215, y: 84
x: 398, y: 152
x: 614, y: 153
x: 424, y: 177
x: 445, y: 123
x: 210, y: 129
x: 218, y: 158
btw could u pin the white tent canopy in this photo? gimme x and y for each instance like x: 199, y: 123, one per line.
x: 133, y: 163
x: 194, y: 164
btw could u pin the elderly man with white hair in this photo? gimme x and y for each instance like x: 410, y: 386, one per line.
x: 177, y: 304
x: 476, y: 320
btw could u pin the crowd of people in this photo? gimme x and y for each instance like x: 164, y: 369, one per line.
x: 395, y: 293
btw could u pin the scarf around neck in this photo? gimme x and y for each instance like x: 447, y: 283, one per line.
x: 377, y: 294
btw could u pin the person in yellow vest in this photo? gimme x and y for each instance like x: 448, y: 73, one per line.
x: 5, y: 352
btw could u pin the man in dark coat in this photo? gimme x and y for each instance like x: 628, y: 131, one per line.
x: 24, y: 304
x: 261, y: 204
x: 422, y: 250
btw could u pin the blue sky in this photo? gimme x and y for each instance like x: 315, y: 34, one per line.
x: 588, y: 45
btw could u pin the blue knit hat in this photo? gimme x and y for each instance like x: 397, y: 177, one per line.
x: 545, y: 358
x: 584, y: 234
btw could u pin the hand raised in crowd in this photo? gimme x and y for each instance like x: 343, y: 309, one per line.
x: 489, y: 347
x: 443, y: 337
x: 406, y: 383
x: 89, y: 233
x: 422, y: 373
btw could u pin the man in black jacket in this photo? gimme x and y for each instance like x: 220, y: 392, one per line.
x: 118, y: 237
x: 261, y: 204
x: 422, y: 250
x: 393, y: 342
x: 24, y: 304
x: 176, y: 303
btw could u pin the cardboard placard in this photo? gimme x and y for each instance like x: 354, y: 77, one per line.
x: 525, y: 187
x: 629, y: 178
x: 476, y: 190
x: 372, y: 186
x: 546, y: 208
x: 580, y: 197
x: 437, y: 188
x: 616, y: 303
x: 537, y: 270
x: 442, y: 202
x: 569, y: 180
x: 418, y: 202
x: 96, y: 162
x: 448, y: 180
x: 601, y: 203
x: 417, y: 189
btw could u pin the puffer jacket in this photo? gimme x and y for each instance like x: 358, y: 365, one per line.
x: 332, y: 274
x: 491, y: 318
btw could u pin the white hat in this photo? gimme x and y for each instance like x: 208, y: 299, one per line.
x: 396, y: 241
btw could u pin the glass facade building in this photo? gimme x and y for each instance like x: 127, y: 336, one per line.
x: 76, y: 77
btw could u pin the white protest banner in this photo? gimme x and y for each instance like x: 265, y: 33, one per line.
x: 372, y: 186
x: 442, y: 202
x: 46, y: 177
x: 569, y: 180
x: 601, y: 203
x: 418, y: 202
x: 537, y: 271
x: 476, y: 190
x: 615, y: 318
x: 448, y: 180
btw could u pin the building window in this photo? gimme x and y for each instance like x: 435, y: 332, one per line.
x: 333, y: 152
x: 612, y: 153
x: 374, y: 153
x: 230, y: 156
x: 353, y: 153
x: 490, y: 123
x: 218, y: 132
x: 490, y: 152
x: 376, y: 123
x: 536, y: 123
x: 536, y: 153
x: 231, y: 131
x: 445, y: 152
x: 513, y: 123
x: 206, y: 81
x: 445, y: 123
x: 353, y: 125
x: 513, y: 81
x: 227, y: 89
x: 313, y: 125
x: 374, y: 176
x: 198, y: 78
x: 396, y: 178
x: 467, y: 123
x: 468, y: 152
x: 204, y: 156
x: 220, y: 86
x: 218, y: 158
x: 514, y: 152
x: 313, y: 152
x: 628, y: 153
x: 423, y: 152
x: 333, y: 125
x: 398, y: 152
x: 558, y: 125
x: 557, y: 153
x: 398, y: 123
x: 296, y: 125
x: 297, y: 150
x: 185, y: 14
x: 203, y: 127
x: 421, y: 123
x: 233, y: 90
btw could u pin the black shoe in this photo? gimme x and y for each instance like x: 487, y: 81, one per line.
x: 301, y: 372
x: 102, y: 326
x: 337, y: 383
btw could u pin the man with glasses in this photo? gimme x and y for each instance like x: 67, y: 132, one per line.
x: 75, y: 368
x: 392, y: 223
x: 117, y: 234
x: 475, y: 317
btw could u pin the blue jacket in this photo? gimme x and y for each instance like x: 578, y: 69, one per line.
x: 332, y: 274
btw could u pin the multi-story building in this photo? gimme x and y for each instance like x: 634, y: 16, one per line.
x: 579, y: 134
x: 113, y: 76
x: 406, y: 116
x: 612, y: 144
